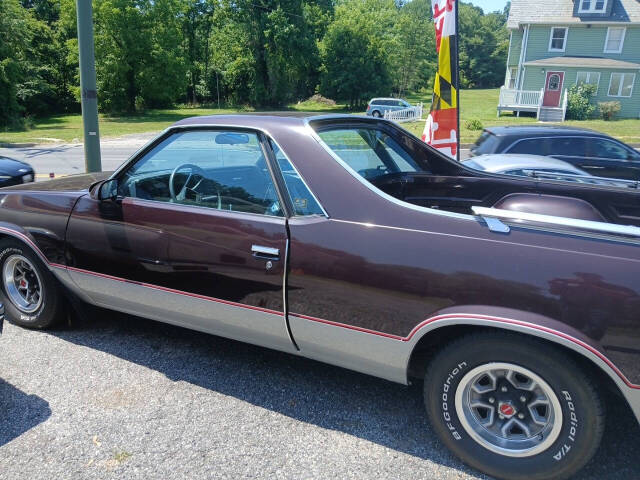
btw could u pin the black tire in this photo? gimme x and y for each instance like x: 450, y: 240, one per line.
x: 581, y: 406
x: 51, y: 308
x: 376, y: 114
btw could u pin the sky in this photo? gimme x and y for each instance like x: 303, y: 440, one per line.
x: 490, y: 5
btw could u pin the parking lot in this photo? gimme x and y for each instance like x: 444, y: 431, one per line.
x: 121, y: 397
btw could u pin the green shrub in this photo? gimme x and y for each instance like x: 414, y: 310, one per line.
x: 608, y: 110
x: 474, y: 124
x: 579, y: 106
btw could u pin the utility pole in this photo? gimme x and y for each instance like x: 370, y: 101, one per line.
x: 88, y: 88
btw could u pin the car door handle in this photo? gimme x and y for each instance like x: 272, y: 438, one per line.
x: 267, y: 253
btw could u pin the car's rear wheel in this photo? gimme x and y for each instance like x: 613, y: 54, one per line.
x: 29, y: 292
x: 376, y: 114
x: 513, y: 409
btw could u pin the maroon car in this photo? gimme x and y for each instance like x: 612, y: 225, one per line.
x: 347, y: 240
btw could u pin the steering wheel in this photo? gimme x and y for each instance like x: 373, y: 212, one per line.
x: 196, y: 171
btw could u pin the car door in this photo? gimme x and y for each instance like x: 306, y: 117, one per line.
x: 600, y: 157
x: 195, y: 236
x: 612, y: 159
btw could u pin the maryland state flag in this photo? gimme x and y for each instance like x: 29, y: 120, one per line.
x: 441, y: 129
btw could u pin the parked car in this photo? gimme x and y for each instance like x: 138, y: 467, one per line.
x: 521, y: 164
x: 15, y: 172
x: 348, y: 240
x: 377, y: 106
x: 540, y: 167
x: 594, y: 152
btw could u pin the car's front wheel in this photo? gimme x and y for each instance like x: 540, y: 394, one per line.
x: 30, y: 293
x: 514, y: 409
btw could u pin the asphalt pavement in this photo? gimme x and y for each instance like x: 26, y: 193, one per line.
x: 118, y: 397
x: 68, y: 158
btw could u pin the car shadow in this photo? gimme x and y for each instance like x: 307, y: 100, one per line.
x: 366, y: 407
x: 19, y: 412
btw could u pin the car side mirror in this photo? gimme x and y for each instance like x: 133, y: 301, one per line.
x: 108, y: 190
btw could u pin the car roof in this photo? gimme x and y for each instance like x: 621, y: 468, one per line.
x: 542, y: 130
x: 504, y: 162
x: 264, y: 120
x: 388, y: 98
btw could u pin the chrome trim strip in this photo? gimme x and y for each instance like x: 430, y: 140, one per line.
x: 370, y: 186
x: 590, y: 225
x: 204, y: 126
x: 275, y: 252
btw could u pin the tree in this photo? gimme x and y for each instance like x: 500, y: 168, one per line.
x: 484, y: 43
x: 16, y: 33
x: 138, y: 59
x: 356, y: 49
x: 413, y: 58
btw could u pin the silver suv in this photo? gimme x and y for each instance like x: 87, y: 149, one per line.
x: 377, y: 106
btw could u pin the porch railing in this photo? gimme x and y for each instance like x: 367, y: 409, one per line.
x: 405, y: 115
x: 520, y: 98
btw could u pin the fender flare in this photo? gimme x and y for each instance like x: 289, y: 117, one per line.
x: 25, y: 237
x: 629, y: 390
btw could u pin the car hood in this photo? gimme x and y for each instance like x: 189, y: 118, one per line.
x: 71, y: 183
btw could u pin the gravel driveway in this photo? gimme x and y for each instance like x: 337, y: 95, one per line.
x: 122, y: 397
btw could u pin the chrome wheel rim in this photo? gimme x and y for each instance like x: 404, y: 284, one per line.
x: 508, y: 409
x: 22, y: 283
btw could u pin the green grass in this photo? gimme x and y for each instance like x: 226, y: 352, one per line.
x: 68, y: 128
x: 476, y: 104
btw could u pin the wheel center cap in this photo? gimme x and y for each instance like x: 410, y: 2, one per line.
x: 23, y: 284
x: 507, y: 409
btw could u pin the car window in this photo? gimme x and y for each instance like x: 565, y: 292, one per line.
x: 568, y: 146
x: 225, y: 170
x: 603, y: 148
x: 532, y: 146
x: 301, y: 197
x: 486, y: 143
x: 370, y: 152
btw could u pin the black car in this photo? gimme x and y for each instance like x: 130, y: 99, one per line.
x: 15, y: 172
x: 597, y: 153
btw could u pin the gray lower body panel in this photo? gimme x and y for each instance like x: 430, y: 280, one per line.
x: 246, y: 324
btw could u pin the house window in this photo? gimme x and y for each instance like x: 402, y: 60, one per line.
x: 513, y: 75
x: 558, y: 40
x: 621, y: 84
x: 615, y: 40
x: 592, y: 6
x: 590, y: 78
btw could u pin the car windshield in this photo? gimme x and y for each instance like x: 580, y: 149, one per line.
x: 370, y: 152
x: 487, y: 143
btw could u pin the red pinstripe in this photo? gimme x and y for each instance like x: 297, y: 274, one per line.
x: 423, y: 324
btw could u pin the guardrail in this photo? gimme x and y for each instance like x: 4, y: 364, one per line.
x: 410, y: 114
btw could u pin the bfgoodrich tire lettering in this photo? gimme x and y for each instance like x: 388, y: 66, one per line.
x: 42, y: 313
x: 581, y: 414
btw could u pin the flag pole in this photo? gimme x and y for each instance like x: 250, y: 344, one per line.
x: 457, y: 79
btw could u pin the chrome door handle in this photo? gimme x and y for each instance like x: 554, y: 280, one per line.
x: 267, y: 253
